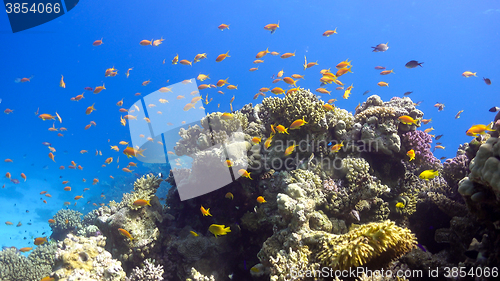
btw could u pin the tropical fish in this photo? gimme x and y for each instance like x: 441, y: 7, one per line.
x: 290, y: 149
x: 413, y: 64
x: 261, y: 199
x: 385, y: 72
x: 487, y: 81
x: 61, y: 83
x: 381, y: 47
x: 383, y: 84
x: 287, y: 55
x: 221, y: 57
x: 281, y: 129
x: 411, y: 154
x: 40, y: 240
x: 125, y: 233
x: 205, y: 212
x: 244, y: 173
x: 223, y: 26
x: 272, y: 27
x: 468, y: 74
x: 218, y: 229
x: 98, y: 89
x: 97, y: 42
x: 408, y: 120
x: 329, y: 32
x: 337, y: 147
x: 407, y: 93
x: 428, y: 174
x: 229, y: 195
x: 323, y: 91
x: 141, y: 202
x: 193, y: 233
x: 297, y: 124
x: 478, y: 129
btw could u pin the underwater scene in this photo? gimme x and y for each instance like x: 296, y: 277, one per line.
x: 251, y: 141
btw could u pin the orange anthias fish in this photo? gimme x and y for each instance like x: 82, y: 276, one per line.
x: 329, y: 32
x: 272, y: 27
x: 223, y: 26
x: 98, y: 89
x: 141, y: 202
x: 46, y: 117
x: 478, y: 129
x: 408, y: 120
x: 90, y: 109
x: 205, y: 212
x: 221, y: 57
x: 244, y: 173
x: 40, y: 240
x: 337, y: 147
x: 97, y: 42
x: 297, y: 124
x: 290, y: 149
x: 51, y: 156
x: 125, y: 233
x: 61, y: 83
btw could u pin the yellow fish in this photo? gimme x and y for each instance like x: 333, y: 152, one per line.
x: 411, y: 154
x: 428, y: 174
x: 261, y: 199
x: 229, y: 195
x: 205, y: 212
x: 193, y: 233
x: 61, y: 83
x: 218, y: 229
x: 400, y: 205
x: 227, y: 116
x: 478, y: 129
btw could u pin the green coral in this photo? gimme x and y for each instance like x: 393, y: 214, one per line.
x: 374, y: 244
x: 16, y: 267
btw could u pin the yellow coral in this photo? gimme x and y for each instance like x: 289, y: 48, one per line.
x: 374, y: 244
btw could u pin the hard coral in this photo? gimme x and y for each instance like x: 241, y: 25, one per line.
x: 420, y: 142
x: 66, y: 221
x: 373, y: 244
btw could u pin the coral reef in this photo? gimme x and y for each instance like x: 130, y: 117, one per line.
x: 66, y: 221
x: 370, y: 245
x: 420, y: 142
x: 16, y: 267
x: 80, y: 258
x: 148, y: 272
x: 141, y: 222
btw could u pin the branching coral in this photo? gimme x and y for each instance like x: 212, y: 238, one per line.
x: 148, y: 272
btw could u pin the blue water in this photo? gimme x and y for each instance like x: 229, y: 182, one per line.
x: 450, y: 37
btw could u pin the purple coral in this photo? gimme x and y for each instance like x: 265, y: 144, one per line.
x: 420, y: 142
x: 455, y: 169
